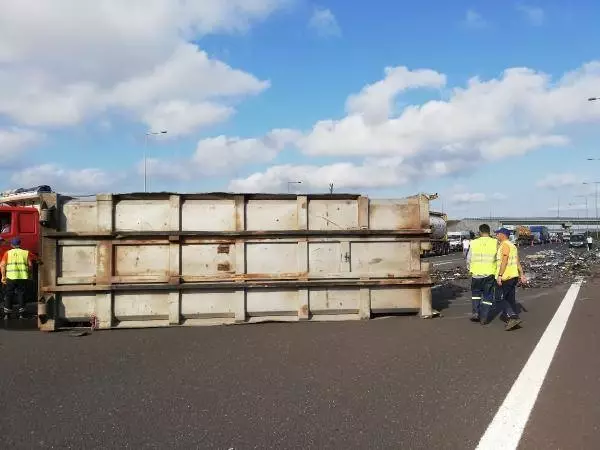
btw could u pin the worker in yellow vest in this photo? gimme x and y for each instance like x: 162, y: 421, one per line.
x: 507, y: 277
x: 16, y: 267
x: 481, y: 260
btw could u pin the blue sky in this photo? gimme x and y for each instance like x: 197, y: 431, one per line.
x: 373, y: 96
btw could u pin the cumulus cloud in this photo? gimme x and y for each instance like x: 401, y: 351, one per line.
x: 535, y: 15
x: 14, y: 141
x: 559, y: 180
x: 375, y: 101
x: 324, y: 23
x: 66, y: 180
x: 487, y: 120
x: 71, y: 61
x: 223, y: 155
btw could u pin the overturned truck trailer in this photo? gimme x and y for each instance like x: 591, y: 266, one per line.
x: 160, y: 259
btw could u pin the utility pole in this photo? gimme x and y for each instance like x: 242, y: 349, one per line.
x: 150, y: 133
x: 330, y: 188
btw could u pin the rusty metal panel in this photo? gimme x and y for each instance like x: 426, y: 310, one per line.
x: 207, y: 259
x: 280, y: 302
x: 395, y: 299
x: 209, y: 304
x: 77, y: 261
x: 403, y: 214
x: 143, y: 215
x: 334, y: 301
x: 271, y: 215
x: 208, y: 215
x: 79, y: 217
x: 325, y: 258
x: 380, y: 259
x: 271, y: 258
x: 78, y: 306
x: 131, y: 306
x: 141, y: 260
x: 317, y: 271
x: 333, y: 214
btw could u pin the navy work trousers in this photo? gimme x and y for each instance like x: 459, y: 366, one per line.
x: 482, y: 295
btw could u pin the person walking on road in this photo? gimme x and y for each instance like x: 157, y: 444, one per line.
x: 481, y: 260
x: 589, y: 241
x: 15, y: 267
x: 466, y: 244
x: 508, y: 274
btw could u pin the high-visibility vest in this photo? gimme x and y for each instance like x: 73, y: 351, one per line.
x: 17, y: 264
x: 483, y: 256
x: 512, y: 268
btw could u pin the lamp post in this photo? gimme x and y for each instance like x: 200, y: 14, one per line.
x: 289, y: 183
x: 596, y: 183
x: 587, y: 214
x: 149, y: 133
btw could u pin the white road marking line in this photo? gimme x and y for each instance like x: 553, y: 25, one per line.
x: 506, y: 429
x: 448, y: 262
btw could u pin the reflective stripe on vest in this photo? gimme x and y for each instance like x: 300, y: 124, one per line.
x: 17, y: 264
x: 512, y: 268
x: 483, y: 256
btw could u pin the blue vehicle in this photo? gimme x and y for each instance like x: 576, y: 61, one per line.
x: 541, y: 235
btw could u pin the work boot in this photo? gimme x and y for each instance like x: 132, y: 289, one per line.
x: 512, y: 324
x: 474, y: 318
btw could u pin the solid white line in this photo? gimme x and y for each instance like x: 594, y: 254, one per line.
x: 448, y: 262
x: 506, y: 429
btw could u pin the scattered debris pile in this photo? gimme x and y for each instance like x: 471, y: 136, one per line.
x: 543, y: 269
x: 459, y: 272
x: 551, y: 267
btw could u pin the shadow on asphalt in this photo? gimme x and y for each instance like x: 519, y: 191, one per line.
x: 443, y: 296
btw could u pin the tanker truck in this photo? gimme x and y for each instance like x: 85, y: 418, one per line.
x: 438, y: 222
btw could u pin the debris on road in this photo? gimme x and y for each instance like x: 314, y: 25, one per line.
x: 552, y: 267
x: 546, y: 268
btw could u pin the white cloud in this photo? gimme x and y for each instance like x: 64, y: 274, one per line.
x: 535, y: 15
x: 498, y: 196
x: 559, y: 180
x: 474, y: 20
x: 14, y: 141
x: 324, y: 23
x: 66, y: 180
x: 71, y: 60
x: 520, y: 111
x: 346, y: 176
x: 375, y: 101
x: 468, y: 197
x: 223, y: 155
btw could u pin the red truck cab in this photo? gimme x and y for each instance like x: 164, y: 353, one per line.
x: 22, y: 222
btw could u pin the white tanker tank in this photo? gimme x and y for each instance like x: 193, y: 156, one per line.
x: 438, y: 223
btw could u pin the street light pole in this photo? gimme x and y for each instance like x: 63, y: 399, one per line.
x: 587, y: 214
x: 149, y: 133
x: 596, y: 200
x: 289, y: 183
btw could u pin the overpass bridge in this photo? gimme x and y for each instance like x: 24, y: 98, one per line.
x: 548, y: 221
x: 554, y: 223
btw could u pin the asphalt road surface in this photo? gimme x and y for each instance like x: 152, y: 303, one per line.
x: 392, y: 382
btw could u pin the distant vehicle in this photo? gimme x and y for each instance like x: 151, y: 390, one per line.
x: 577, y: 241
x: 455, y: 239
x: 523, y: 235
x: 541, y: 235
